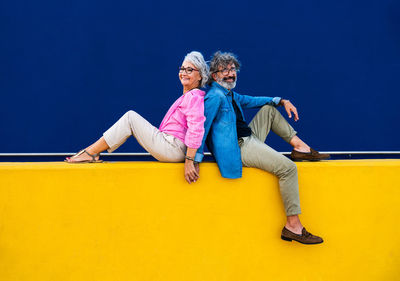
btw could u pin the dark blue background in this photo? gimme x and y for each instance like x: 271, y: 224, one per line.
x: 70, y: 69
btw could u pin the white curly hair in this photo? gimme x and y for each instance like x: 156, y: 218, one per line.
x: 197, y: 59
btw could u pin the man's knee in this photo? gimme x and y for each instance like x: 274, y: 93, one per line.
x: 291, y: 166
x: 268, y: 108
x: 287, y: 168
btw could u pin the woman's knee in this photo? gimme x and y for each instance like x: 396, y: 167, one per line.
x: 131, y: 115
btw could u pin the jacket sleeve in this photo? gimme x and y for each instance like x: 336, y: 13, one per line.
x: 211, y: 105
x: 254, y: 102
x: 193, y: 108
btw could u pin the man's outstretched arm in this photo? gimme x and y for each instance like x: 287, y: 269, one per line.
x: 254, y: 102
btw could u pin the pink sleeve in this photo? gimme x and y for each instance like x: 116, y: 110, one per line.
x: 192, y: 107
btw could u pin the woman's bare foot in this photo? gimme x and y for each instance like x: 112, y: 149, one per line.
x: 90, y: 154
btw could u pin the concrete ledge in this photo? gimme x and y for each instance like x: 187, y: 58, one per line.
x: 142, y: 221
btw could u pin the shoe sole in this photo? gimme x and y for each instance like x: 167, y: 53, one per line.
x: 290, y: 240
x: 286, y: 239
x: 304, y: 160
x: 84, y: 161
x: 308, y: 160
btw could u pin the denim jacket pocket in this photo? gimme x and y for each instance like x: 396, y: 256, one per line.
x: 226, y: 115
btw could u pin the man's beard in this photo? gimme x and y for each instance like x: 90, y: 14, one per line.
x: 227, y: 85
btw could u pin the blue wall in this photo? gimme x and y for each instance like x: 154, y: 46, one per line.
x: 69, y: 69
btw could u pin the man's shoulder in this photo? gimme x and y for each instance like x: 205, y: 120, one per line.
x: 214, y: 93
x: 236, y: 94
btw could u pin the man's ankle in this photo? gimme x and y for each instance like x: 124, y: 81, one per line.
x: 294, y: 228
x: 302, y: 148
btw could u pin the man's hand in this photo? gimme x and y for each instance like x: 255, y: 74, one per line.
x: 191, y: 171
x: 289, y: 107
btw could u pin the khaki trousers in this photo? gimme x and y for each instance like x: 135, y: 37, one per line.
x: 255, y: 153
x: 163, y: 147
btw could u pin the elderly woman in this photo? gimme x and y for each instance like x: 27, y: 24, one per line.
x: 180, y: 133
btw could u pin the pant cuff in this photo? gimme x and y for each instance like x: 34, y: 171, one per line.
x: 293, y: 212
x: 289, y: 138
x: 110, y: 147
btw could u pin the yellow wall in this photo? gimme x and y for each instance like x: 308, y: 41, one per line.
x: 141, y: 221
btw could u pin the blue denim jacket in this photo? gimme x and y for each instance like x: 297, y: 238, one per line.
x: 220, y: 127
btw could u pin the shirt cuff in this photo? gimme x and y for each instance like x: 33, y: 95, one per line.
x: 198, y: 157
x: 276, y: 100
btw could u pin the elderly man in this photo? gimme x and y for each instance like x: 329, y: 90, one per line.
x: 233, y: 143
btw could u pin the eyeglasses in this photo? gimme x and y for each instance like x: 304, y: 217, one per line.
x: 188, y: 70
x: 227, y: 71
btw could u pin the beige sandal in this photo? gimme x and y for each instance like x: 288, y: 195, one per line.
x: 93, y: 160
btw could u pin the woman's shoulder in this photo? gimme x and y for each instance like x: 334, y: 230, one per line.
x: 192, y: 97
x: 196, y: 92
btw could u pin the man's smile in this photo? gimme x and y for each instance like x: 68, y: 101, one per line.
x: 229, y: 79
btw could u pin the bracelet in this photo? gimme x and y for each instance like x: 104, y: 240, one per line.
x: 189, y: 158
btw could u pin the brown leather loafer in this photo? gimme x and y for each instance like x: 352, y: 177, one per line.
x: 308, y: 156
x: 305, y: 237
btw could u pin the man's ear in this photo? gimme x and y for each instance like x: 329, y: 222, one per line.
x: 214, y: 76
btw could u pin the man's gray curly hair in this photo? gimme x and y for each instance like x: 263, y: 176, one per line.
x: 222, y: 59
x: 197, y: 59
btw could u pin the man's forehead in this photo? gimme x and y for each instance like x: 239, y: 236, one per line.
x: 230, y: 65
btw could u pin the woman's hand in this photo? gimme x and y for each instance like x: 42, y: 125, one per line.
x: 191, y: 171
x: 191, y: 168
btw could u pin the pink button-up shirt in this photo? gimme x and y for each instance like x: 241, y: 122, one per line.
x: 185, y: 119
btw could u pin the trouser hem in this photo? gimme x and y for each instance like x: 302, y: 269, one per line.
x: 293, y: 213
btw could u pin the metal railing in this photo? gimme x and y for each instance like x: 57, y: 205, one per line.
x: 206, y: 153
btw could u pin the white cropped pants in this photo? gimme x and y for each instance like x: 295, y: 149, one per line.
x: 163, y: 147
